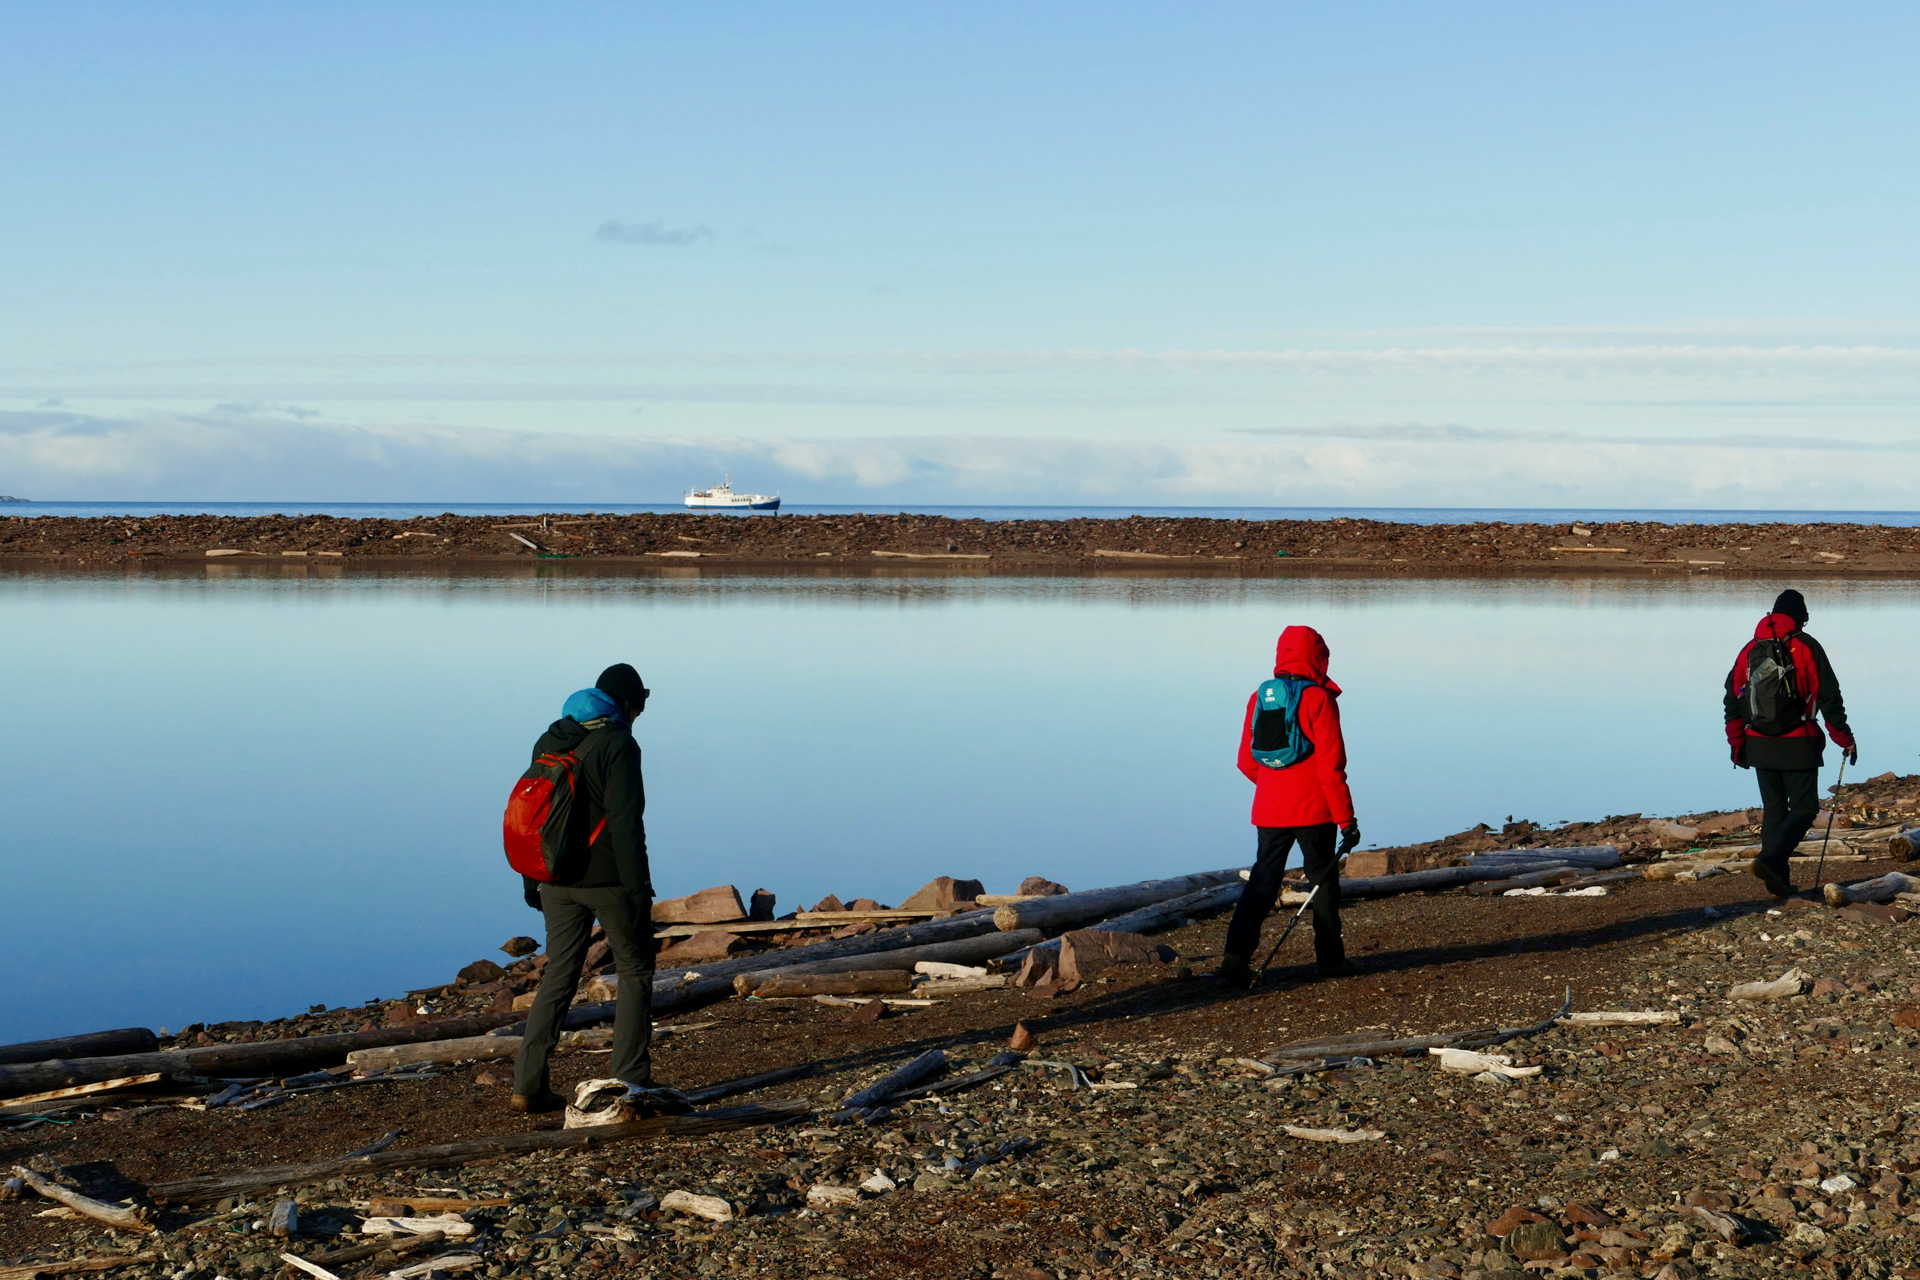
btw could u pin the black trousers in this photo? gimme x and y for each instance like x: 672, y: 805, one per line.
x: 1322, y: 865
x: 1789, y: 799
x: 628, y: 921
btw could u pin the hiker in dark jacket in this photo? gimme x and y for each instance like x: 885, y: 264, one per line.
x: 1307, y: 802
x: 1778, y: 684
x: 610, y: 883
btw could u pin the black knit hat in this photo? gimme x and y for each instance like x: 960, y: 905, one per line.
x: 1791, y: 603
x: 624, y: 683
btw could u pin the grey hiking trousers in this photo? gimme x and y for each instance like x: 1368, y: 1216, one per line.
x: 628, y: 920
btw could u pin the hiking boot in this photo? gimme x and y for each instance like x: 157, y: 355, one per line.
x: 1335, y: 968
x: 1234, y: 973
x: 546, y: 1100
x: 1776, y: 884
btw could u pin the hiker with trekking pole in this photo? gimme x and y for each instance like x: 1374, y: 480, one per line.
x: 1292, y: 751
x: 1780, y: 682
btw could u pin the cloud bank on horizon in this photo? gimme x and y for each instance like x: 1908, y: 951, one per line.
x: 247, y: 456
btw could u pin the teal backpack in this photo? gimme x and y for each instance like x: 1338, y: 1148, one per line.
x: 1277, y: 739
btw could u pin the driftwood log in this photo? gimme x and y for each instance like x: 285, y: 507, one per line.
x: 1597, y: 856
x: 860, y: 982
x: 747, y: 1084
x: 1146, y: 920
x: 244, y: 1182
x: 1903, y: 846
x: 74, y: 1266
x: 1064, y: 911
x: 124, y: 1217
x: 1881, y: 889
x: 1355, y: 1045
x: 465, y: 1049
x: 1548, y: 875
x: 254, y: 1058
x: 930, y: 1063
x: 95, y: 1044
x: 986, y: 946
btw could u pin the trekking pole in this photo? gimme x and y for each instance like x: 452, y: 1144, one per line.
x: 1268, y: 963
x: 1822, y: 868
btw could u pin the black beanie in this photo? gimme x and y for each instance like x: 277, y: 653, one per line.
x: 624, y: 683
x: 1790, y: 602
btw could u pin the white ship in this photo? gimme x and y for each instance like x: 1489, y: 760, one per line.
x: 722, y: 495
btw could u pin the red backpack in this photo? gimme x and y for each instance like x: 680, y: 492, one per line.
x: 546, y: 817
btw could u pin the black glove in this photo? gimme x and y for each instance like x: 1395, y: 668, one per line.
x: 1349, y: 838
x: 530, y: 890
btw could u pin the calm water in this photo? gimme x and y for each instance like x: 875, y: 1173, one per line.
x: 236, y: 796
x: 1403, y: 515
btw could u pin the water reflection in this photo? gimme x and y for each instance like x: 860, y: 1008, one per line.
x: 242, y: 791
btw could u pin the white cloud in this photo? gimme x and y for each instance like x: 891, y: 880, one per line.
x: 229, y: 457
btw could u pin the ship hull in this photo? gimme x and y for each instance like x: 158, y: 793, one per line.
x: 705, y: 504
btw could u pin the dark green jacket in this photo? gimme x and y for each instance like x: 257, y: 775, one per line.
x: 610, y: 773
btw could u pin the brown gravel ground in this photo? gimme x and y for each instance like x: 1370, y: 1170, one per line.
x: 839, y: 542
x: 1190, y: 1174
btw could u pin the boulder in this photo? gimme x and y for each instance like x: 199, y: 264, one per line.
x: 829, y: 903
x: 709, y: 906
x: 520, y: 946
x: 760, y: 906
x: 481, y: 971
x: 1085, y: 952
x: 866, y: 904
x: 941, y: 893
x: 1366, y: 863
x: 1040, y: 886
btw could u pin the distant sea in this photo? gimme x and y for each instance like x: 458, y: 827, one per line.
x: 1400, y: 515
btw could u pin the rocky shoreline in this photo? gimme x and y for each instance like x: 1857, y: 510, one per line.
x: 923, y: 542
x: 1737, y: 1138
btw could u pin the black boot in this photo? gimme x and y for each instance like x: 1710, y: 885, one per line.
x: 1234, y: 973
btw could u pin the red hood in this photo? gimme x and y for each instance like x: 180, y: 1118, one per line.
x: 1301, y: 652
x: 1775, y: 626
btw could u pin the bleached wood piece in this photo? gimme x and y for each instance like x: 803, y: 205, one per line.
x: 1787, y: 984
x: 822, y: 1196
x: 1333, y: 1135
x: 858, y: 982
x: 1466, y: 1062
x: 429, y: 1204
x: 1623, y: 1018
x: 1147, y: 919
x: 86, y: 1090
x: 1006, y: 899
x: 451, y: 1223
x: 446, y: 1262
x: 1532, y: 879
x: 1880, y: 889
x: 712, y: 1208
x: 1063, y: 911
x: 135, y: 1218
x: 74, y: 1266
x: 890, y: 1001
x: 861, y: 917
x: 940, y: 969
x: 299, y: 1263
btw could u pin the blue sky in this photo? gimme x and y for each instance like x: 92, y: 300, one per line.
x: 1517, y: 255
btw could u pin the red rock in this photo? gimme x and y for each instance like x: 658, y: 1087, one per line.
x: 1588, y: 1217
x: 941, y: 893
x: 1829, y: 987
x: 709, y: 906
x: 865, y: 904
x: 828, y: 903
x: 481, y: 971
x: 709, y: 944
x: 871, y: 1011
x: 1907, y: 1018
x: 1512, y: 1218
x: 1708, y: 1199
x: 1039, y: 967
x: 1042, y: 887
x: 1085, y: 952
x: 1583, y: 1259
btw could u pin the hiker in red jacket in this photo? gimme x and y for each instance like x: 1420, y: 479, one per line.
x: 1780, y: 681
x: 1303, y: 801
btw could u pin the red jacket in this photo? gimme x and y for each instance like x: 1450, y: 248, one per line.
x: 1314, y: 791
